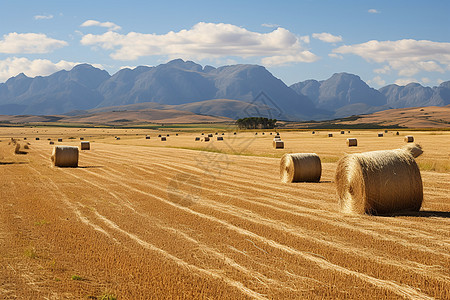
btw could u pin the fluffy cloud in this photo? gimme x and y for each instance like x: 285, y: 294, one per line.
x: 206, y: 40
x: 373, y: 11
x: 110, y: 25
x: 408, y: 57
x: 270, y: 25
x: 334, y: 55
x: 39, y: 67
x: 29, y: 43
x: 377, y: 80
x: 327, y: 37
x: 43, y: 17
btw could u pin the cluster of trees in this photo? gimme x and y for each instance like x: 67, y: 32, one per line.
x: 256, y: 123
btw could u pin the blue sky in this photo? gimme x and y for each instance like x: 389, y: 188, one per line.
x: 383, y: 42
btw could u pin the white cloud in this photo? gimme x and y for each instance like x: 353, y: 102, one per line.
x: 305, y: 39
x: 334, y: 55
x: 377, y: 80
x: 373, y: 11
x: 426, y: 80
x: 43, y: 17
x: 13, y: 66
x: 205, y: 41
x: 270, y: 25
x: 405, y: 81
x: 110, y: 25
x: 327, y: 37
x: 383, y: 70
x: 408, y: 56
x: 29, y: 43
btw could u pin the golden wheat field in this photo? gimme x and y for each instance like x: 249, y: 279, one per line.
x: 145, y: 219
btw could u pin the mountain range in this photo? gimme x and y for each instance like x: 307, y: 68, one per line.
x: 230, y: 91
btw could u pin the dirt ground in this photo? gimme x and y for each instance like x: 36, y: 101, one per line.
x: 146, y: 219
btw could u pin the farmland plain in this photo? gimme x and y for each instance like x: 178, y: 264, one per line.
x: 141, y: 218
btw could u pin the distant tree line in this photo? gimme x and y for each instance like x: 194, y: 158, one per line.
x: 256, y: 123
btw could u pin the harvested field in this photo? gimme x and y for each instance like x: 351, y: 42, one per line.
x: 143, y: 219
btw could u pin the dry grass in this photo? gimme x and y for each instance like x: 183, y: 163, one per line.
x: 243, y: 235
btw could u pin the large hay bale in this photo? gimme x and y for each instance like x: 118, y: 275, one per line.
x: 409, y: 139
x: 60, y: 140
x: 163, y: 139
x: 300, y: 167
x: 379, y: 182
x: 330, y: 135
x: 65, y: 156
x: 352, y: 142
x: 278, y: 144
x: 220, y: 138
x: 85, y: 145
x: 380, y: 134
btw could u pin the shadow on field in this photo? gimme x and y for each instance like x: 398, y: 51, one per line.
x: 13, y: 162
x: 90, y: 167
x: 422, y: 214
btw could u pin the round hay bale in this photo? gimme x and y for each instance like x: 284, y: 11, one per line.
x: 159, y: 135
x: 203, y: 133
x: 176, y: 134
x: 197, y: 139
x: 352, y: 142
x: 220, y: 138
x: 263, y: 133
x: 85, y: 145
x: 330, y: 135
x: 81, y: 138
x: 278, y: 144
x: 65, y: 156
x: 300, y: 167
x: 51, y: 142
x: 313, y: 132
x: 397, y: 133
x: 147, y: 137
x: 210, y: 135
x: 206, y: 138
x: 24, y: 139
x: 380, y: 134
x: 234, y: 133
x: 270, y: 133
x: 277, y: 136
x: 163, y: 139
x: 223, y: 133
x: 379, y: 182
x: 118, y: 138
x: 409, y: 139
x: 37, y: 139
x: 342, y: 132
x: 26, y: 147
x: 216, y: 133
x: 167, y: 134
x: 349, y: 131
x: 60, y: 140
x: 385, y: 131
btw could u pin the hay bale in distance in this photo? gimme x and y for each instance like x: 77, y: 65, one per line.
x: 51, y: 142
x: 256, y: 133
x: 271, y: 133
x: 220, y: 138
x: 147, y: 137
x: 300, y: 167
x: 234, y: 133
x: 167, y: 134
x: 81, y: 138
x: 409, y: 139
x: 159, y: 135
x: 163, y: 139
x: 342, y: 132
x: 65, y: 156
x: 278, y: 144
x: 277, y: 136
x: 330, y: 135
x: 206, y: 138
x: 85, y: 145
x: 379, y: 182
x: 385, y: 131
x: 313, y: 132
x: 197, y: 139
x: 60, y: 140
x: 352, y: 142
x: 37, y: 139
x: 380, y: 134
x: 210, y: 135
x: 397, y: 133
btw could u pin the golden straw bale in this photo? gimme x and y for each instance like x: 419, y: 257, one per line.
x: 60, y: 140
x: 342, y: 132
x: 409, y: 139
x: 300, y: 167
x: 51, y: 142
x: 147, y: 137
x: 197, y: 139
x: 163, y: 139
x: 379, y: 182
x: 352, y: 142
x: 81, y: 138
x: 65, y: 156
x: 220, y: 138
x: 380, y: 134
x: 210, y: 135
x: 85, y: 145
x: 37, y: 139
x: 206, y: 138
x: 330, y: 135
x: 278, y: 144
